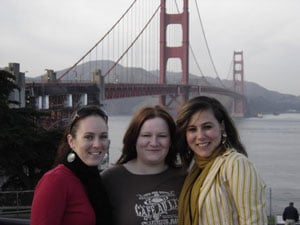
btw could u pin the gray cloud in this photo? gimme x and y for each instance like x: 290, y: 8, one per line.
x: 55, y: 33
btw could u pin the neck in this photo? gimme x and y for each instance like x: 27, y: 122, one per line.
x: 136, y: 167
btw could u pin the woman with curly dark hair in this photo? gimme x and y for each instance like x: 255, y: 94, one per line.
x: 223, y: 186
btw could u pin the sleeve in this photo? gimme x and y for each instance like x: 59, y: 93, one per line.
x: 248, y: 191
x: 49, y: 201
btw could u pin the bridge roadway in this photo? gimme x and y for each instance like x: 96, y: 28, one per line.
x: 121, y: 90
x: 133, y: 90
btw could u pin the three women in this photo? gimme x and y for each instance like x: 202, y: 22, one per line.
x: 222, y: 185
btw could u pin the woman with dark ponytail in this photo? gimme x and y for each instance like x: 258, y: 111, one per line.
x: 72, y: 192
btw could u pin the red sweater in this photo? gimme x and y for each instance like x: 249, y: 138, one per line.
x: 60, y: 199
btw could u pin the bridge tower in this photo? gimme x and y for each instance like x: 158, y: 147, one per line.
x: 238, y: 105
x: 180, y: 52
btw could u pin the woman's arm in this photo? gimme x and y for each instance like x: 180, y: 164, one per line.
x: 49, y: 201
x: 248, y: 191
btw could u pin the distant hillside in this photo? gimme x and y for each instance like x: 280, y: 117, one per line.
x: 260, y: 100
x: 266, y: 101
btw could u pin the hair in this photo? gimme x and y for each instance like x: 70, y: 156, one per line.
x: 132, y: 133
x: 203, y: 103
x: 72, y: 127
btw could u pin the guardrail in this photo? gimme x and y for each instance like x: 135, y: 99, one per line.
x: 15, y: 207
x: 16, y: 198
x: 15, y: 211
x: 14, y: 221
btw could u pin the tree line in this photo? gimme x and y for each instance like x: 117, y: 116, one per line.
x: 27, y: 150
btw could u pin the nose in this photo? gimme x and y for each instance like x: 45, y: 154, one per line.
x: 200, y: 133
x: 154, y: 141
x: 99, y: 142
x: 96, y: 143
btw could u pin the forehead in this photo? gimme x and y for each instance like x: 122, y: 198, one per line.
x: 203, y: 116
x: 93, y: 122
x: 155, y: 124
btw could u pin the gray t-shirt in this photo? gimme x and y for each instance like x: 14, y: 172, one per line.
x: 143, y: 199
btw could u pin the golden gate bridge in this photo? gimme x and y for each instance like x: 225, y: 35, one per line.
x: 139, y: 56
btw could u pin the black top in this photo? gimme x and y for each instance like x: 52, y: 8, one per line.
x: 291, y: 213
x: 143, y: 199
x: 91, y: 179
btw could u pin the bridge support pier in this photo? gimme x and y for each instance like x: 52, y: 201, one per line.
x: 238, y: 105
x: 180, y: 52
x: 99, y: 79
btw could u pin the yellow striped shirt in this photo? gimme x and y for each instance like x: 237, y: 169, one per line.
x: 233, y: 193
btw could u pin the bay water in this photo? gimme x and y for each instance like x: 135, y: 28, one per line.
x: 273, y: 145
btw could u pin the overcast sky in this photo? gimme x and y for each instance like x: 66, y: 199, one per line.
x: 54, y: 34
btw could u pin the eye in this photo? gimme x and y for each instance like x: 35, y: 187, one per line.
x: 103, y: 137
x: 89, y: 137
x: 163, y: 135
x: 207, y: 127
x: 191, y: 129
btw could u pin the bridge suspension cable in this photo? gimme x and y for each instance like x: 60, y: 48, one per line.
x: 98, y: 42
x: 122, y: 52
x: 206, y: 44
x: 134, y: 41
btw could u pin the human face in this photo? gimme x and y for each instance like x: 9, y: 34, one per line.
x: 153, y: 142
x: 91, y: 140
x: 204, y: 133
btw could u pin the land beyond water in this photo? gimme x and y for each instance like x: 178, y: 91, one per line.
x: 259, y: 99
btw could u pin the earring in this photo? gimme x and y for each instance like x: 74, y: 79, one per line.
x: 71, y: 157
x: 105, y: 158
x: 224, y: 138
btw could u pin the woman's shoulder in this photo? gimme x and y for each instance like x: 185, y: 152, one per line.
x: 237, y: 166
x: 235, y: 160
x: 57, y: 175
x: 176, y: 174
x: 178, y: 171
x: 233, y: 154
x: 113, y: 171
x: 58, y: 171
